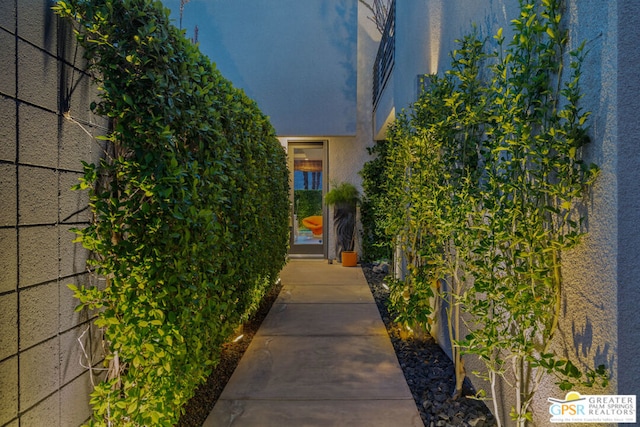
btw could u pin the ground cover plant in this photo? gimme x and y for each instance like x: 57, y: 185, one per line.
x: 482, y: 176
x: 190, y: 208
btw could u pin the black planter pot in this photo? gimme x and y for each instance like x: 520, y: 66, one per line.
x: 344, y: 220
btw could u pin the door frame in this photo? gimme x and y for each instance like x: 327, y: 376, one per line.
x: 308, y: 251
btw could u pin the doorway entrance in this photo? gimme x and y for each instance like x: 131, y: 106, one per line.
x: 307, y: 163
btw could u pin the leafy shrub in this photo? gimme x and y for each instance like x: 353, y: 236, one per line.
x: 343, y: 192
x: 374, y: 244
x: 481, y: 177
x: 190, y: 209
x: 308, y: 203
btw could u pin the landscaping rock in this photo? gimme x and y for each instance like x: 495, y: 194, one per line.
x: 478, y: 422
x: 428, y: 370
x: 382, y: 268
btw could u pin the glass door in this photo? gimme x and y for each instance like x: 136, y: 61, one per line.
x: 307, y: 165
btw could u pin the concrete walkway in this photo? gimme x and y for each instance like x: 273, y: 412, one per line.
x: 322, y: 357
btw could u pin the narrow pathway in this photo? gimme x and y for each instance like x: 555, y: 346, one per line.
x: 322, y: 357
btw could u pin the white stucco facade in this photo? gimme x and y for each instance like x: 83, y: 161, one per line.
x: 600, y: 323
x: 297, y: 59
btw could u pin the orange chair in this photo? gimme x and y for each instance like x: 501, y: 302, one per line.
x: 314, y: 223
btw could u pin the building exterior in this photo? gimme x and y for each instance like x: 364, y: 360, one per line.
x: 303, y: 63
x: 600, y: 323
x: 310, y: 67
x: 46, y: 131
x: 599, y: 326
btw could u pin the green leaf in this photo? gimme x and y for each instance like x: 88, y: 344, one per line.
x: 550, y: 33
x: 126, y: 98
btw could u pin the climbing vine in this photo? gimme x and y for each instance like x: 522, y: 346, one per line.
x: 482, y: 176
x: 533, y: 176
x: 190, y: 209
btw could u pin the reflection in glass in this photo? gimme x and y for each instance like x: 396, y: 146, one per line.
x: 307, y: 196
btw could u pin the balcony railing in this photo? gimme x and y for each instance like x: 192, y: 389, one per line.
x: 385, y: 58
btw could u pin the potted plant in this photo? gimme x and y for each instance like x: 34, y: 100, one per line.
x: 344, y: 198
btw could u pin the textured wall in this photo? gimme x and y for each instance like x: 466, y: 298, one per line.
x: 41, y: 379
x: 628, y: 180
x: 297, y: 60
x: 588, y: 330
x: 347, y: 155
x: 600, y: 322
x: 426, y: 32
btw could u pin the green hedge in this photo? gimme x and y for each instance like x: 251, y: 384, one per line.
x: 308, y: 203
x: 190, y: 209
x: 375, y: 245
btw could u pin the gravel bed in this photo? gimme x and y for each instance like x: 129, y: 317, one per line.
x: 428, y: 370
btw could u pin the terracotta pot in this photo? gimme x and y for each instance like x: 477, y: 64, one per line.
x: 349, y: 258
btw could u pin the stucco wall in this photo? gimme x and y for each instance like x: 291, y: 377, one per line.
x: 600, y: 322
x: 347, y: 155
x: 426, y: 32
x: 588, y: 330
x: 297, y: 59
x: 628, y: 181
x: 41, y: 379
